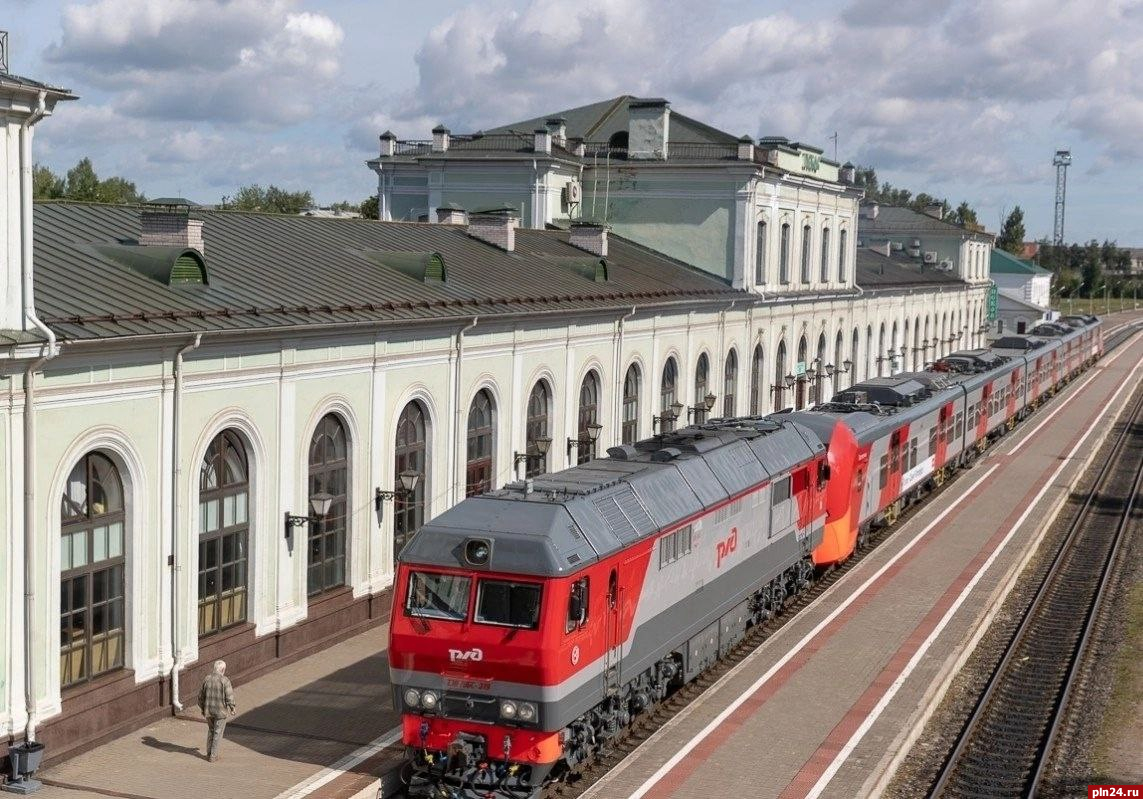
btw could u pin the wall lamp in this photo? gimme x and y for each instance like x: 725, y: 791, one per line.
x: 542, y: 446
x: 319, y: 505
x: 409, y: 480
x: 593, y: 431
x: 702, y: 409
x: 790, y: 380
x: 666, y: 420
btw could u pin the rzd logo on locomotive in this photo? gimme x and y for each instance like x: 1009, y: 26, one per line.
x: 474, y: 654
x: 724, y: 548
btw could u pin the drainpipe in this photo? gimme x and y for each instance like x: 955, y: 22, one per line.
x: 176, y: 484
x: 458, y: 430
x: 620, y: 376
x: 29, y: 314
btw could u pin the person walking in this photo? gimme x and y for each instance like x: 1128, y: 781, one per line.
x: 216, y: 701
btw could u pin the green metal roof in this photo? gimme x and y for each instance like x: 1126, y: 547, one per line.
x: 1005, y: 263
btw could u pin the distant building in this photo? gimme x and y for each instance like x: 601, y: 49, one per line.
x: 926, y: 239
x: 1025, y: 291
x: 330, y: 213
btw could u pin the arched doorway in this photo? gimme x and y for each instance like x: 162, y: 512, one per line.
x: 224, y: 530
x: 588, y: 416
x: 630, y: 429
x: 537, y: 426
x: 478, y: 467
x: 328, y: 474
x: 410, y: 454
x: 758, y: 381
x: 730, y: 385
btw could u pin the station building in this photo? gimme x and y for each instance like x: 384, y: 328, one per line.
x: 218, y: 429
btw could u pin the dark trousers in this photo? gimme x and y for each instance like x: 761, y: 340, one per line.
x: 214, y: 735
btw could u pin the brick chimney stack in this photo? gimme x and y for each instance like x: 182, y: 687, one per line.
x: 440, y: 139
x: 167, y: 223
x: 496, y: 226
x: 590, y: 237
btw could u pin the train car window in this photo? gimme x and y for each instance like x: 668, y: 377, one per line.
x: 508, y: 604
x: 612, y: 588
x: 884, y: 470
x: 780, y: 491
x: 578, y: 604
x: 933, y: 441
x: 438, y: 596
x: 913, y: 453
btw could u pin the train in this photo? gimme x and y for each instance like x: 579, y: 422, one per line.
x: 532, y: 623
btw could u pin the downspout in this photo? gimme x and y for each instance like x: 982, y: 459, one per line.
x: 617, y: 405
x: 458, y: 431
x: 29, y: 313
x: 176, y: 480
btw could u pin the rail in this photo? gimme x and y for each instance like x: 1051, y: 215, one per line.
x: 1005, y: 744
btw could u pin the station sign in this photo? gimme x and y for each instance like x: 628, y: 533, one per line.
x: 993, y: 302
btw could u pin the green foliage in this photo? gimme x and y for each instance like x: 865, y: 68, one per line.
x: 1087, y: 270
x: 886, y: 193
x: 272, y: 199
x: 82, y: 184
x: 369, y: 207
x: 1011, y: 236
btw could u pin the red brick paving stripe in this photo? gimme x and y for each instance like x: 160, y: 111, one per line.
x: 360, y: 776
x: 821, y: 759
x: 674, y: 779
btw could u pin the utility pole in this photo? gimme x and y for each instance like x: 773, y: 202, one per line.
x: 1061, y: 161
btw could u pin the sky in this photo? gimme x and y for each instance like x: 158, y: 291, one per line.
x: 964, y: 100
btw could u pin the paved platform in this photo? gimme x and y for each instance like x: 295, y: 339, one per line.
x: 331, y: 709
x: 824, y: 706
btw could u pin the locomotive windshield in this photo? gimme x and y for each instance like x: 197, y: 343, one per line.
x: 509, y: 604
x: 438, y: 596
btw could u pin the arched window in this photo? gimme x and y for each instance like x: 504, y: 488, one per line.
x: 819, y: 371
x: 537, y: 427
x: 478, y: 466
x: 842, y: 241
x: 894, y: 355
x: 760, y: 255
x: 757, y: 381
x: 918, y: 356
x: 784, y: 256
x: 702, y: 386
x: 630, y: 431
x: 825, y: 255
x: 807, y: 241
x: 588, y: 415
x: 329, y: 474
x: 410, y: 454
x: 780, y: 377
x: 800, y: 382
x: 869, y: 351
x: 224, y: 527
x: 928, y: 340
x: 730, y: 385
x: 854, y: 352
x: 668, y: 394
x: 92, y: 562
x: 618, y: 140
x: 906, y: 359
x: 882, y: 355
x: 838, y: 362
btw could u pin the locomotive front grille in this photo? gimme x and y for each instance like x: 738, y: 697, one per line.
x: 469, y: 706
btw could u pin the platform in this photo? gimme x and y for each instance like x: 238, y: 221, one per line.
x: 823, y: 707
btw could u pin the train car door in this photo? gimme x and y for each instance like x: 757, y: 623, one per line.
x: 613, y: 633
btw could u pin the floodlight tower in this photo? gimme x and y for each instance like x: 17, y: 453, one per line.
x: 1061, y: 161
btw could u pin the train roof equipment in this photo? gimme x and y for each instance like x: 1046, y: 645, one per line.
x: 555, y: 524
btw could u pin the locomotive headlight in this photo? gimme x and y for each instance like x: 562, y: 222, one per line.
x: 429, y: 700
x: 508, y: 709
x: 412, y: 697
x: 526, y: 711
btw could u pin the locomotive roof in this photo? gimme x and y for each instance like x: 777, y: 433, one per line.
x: 557, y: 523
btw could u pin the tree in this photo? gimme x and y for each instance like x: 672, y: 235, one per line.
x: 46, y: 184
x: 82, y: 182
x: 369, y: 207
x: 1011, y: 237
x: 272, y: 200
x: 964, y: 215
x: 1091, y: 268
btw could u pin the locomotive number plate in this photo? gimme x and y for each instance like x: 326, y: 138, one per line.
x: 467, y: 684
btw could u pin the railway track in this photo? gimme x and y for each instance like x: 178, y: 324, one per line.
x: 1004, y: 747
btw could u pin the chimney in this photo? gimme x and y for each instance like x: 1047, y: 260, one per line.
x: 869, y: 210
x: 590, y: 237
x: 578, y: 147
x: 746, y: 149
x: 543, y: 141
x: 451, y: 214
x: 935, y: 210
x: 440, y: 139
x: 648, y: 129
x: 848, y: 173
x: 388, y: 144
x: 558, y: 127
x: 496, y: 226
x: 167, y: 223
